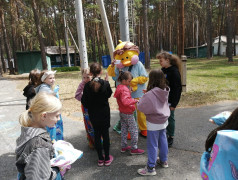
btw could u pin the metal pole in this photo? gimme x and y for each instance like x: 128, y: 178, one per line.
x: 81, y: 35
x: 106, y: 27
x: 123, y: 20
x: 66, y: 40
x: 73, y: 39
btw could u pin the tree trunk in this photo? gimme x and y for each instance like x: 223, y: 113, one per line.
x: 1, y: 53
x: 39, y: 33
x: 220, y: 29
x: 181, y: 27
x: 209, y: 30
x: 145, y: 37
x: 229, y: 31
x: 6, y: 43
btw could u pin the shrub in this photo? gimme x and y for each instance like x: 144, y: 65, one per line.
x: 65, y: 69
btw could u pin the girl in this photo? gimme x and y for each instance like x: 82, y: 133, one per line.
x: 29, y: 91
x: 156, y: 108
x: 127, y: 107
x: 34, y: 148
x: 47, y: 80
x: 95, y: 99
x: 78, y: 96
x: 170, y: 66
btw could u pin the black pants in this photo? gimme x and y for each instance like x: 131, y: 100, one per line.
x: 104, y: 133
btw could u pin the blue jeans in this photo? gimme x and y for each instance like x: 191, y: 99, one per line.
x: 156, y: 140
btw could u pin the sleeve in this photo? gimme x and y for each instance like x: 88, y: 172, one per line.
x: 79, y: 92
x: 126, y: 98
x: 111, y: 70
x: 109, y: 90
x: 175, y: 89
x: 85, y: 97
x: 142, y: 70
x: 45, y: 89
x: 38, y: 165
x: 144, y: 105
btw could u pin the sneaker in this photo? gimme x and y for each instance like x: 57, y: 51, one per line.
x: 108, y: 162
x: 117, y: 128
x: 170, y: 141
x: 100, y: 163
x: 163, y: 164
x: 147, y: 171
x: 137, y: 151
x: 125, y: 149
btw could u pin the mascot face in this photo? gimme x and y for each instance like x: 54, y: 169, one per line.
x: 128, y: 53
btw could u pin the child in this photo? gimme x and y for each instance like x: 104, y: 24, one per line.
x: 29, y: 91
x: 219, y: 161
x: 127, y: 107
x: 47, y: 80
x: 95, y: 98
x: 78, y: 96
x: 170, y: 66
x: 34, y: 147
x: 156, y: 108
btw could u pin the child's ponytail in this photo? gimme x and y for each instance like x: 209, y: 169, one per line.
x: 25, y: 119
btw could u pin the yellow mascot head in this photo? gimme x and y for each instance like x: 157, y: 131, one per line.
x: 127, y: 53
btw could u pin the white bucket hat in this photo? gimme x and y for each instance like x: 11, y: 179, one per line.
x: 47, y: 73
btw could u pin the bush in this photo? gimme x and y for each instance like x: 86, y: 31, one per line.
x: 65, y: 69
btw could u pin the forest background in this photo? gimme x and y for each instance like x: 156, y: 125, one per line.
x: 27, y: 25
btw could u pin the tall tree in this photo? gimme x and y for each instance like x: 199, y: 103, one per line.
x: 229, y: 31
x: 209, y: 28
x: 39, y: 33
x: 181, y: 27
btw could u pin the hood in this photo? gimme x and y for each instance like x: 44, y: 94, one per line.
x: 26, y: 89
x: 41, y: 85
x: 119, y: 89
x: 161, y: 94
x: 27, y: 133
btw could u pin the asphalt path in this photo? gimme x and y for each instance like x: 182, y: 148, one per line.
x: 192, y: 128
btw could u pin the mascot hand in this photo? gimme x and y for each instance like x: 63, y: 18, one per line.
x: 142, y: 79
x: 111, y: 71
x: 134, y: 83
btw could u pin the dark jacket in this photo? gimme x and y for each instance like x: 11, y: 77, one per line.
x: 174, y: 79
x: 29, y: 93
x: 97, y: 104
x: 33, y: 153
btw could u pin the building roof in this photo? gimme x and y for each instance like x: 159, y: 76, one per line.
x: 224, y: 39
x: 55, y: 50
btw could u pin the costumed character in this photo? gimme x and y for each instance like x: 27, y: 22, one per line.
x: 126, y: 58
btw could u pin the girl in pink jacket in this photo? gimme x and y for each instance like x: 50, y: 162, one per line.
x: 127, y: 107
x: 156, y: 108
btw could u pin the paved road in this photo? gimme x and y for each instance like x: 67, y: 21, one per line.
x: 192, y: 127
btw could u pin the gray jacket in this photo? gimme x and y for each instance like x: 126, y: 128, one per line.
x: 33, y: 153
x: 43, y: 87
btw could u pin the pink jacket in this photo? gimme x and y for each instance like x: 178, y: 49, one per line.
x: 154, y: 104
x: 79, y: 92
x: 124, y: 100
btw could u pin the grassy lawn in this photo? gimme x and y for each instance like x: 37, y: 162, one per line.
x: 208, y: 81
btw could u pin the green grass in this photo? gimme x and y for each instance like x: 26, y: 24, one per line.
x: 209, y: 81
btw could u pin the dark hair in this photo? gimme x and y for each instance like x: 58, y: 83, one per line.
x: 95, y: 70
x: 34, y: 77
x: 39, y: 82
x: 156, y: 79
x: 231, y: 123
x: 173, y: 59
x: 124, y: 76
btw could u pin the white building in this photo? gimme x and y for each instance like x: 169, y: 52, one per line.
x: 223, y: 44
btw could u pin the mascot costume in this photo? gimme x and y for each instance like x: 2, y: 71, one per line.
x: 126, y: 56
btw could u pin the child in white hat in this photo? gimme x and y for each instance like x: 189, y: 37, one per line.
x: 47, y: 81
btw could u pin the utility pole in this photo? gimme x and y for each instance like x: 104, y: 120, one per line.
x: 106, y: 27
x: 81, y: 35
x: 123, y: 20
x: 66, y: 40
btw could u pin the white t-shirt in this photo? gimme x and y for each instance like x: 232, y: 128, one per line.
x: 156, y: 127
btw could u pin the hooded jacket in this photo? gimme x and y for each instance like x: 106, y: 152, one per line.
x: 124, y: 100
x: 29, y: 93
x: 154, y: 104
x: 43, y: 87
x: 33, y: 153
x: 97, y: 103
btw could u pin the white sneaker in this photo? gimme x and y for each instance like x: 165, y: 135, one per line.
x: 147, y: 172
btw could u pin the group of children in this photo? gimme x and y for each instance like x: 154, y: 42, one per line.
x: 158, y: 104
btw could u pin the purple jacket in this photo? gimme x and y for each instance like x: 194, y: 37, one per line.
x: 154, y: 104
x: 79, y: 92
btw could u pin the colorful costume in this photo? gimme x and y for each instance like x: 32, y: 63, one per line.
x: 128, y: 53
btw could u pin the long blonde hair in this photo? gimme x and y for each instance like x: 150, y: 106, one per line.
x: 41, y: 103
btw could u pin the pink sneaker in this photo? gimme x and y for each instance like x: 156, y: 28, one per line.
x: 125, y: 149
x: 108, y: 162
x: 100, y: 163
x: 137, y: 151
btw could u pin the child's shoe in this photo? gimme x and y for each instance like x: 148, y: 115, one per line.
x: 125, y: 149
x: 108, y: 162
x: 100, y: 163
x: 163, y: 164
x: 137, y: 151
x: 147, y: 171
